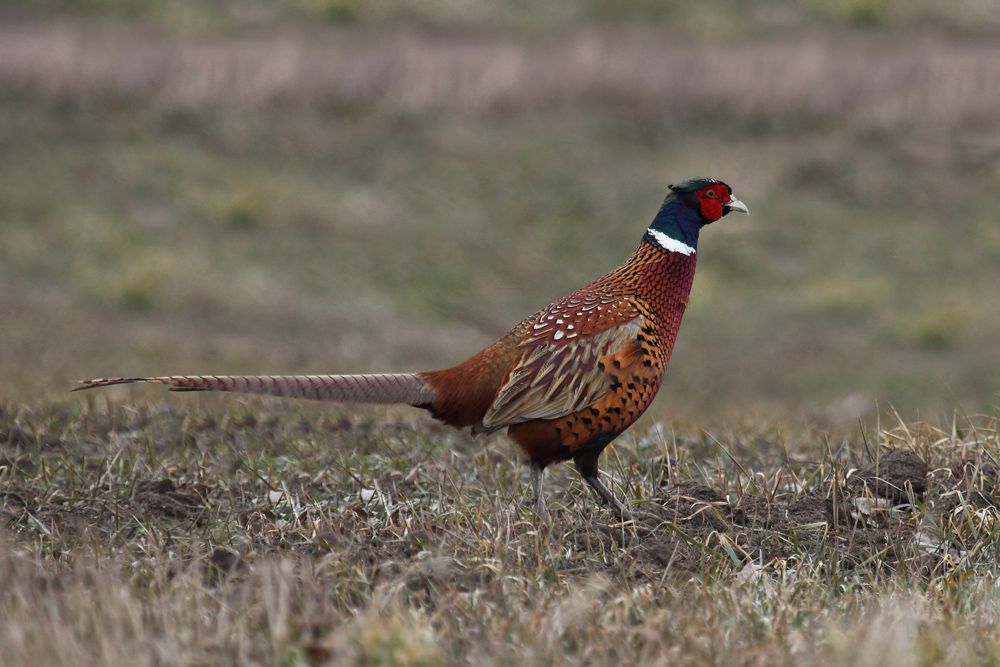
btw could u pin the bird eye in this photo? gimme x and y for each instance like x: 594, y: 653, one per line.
x: 711, y: 193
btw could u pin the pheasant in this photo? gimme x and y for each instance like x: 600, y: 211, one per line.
x: 566, y: 381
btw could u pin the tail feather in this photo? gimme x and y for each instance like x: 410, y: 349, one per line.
x: 406, y: 388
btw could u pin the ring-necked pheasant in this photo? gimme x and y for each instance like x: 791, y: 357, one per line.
x: 566, y: 381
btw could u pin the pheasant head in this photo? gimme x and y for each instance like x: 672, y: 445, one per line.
x: 689, y: 206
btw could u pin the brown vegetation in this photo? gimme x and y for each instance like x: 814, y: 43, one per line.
x: 935, y: 81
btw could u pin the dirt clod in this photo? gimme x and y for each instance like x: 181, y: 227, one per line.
x: 162, y: 497
x: 892, y: 475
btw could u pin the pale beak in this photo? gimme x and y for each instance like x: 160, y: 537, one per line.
x: 735, y: 204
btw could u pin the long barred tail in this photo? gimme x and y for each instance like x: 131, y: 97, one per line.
x: 406, y: 388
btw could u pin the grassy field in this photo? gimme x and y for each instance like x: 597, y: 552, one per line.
x: 262, y: 533
x: 318, y: 186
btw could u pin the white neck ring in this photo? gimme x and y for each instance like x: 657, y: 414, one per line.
x: 671, y: 244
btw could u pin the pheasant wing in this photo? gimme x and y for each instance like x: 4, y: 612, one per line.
x: 560, y: 370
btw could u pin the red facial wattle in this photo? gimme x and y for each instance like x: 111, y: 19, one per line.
x: 711, y: 209
x: 711, y: 200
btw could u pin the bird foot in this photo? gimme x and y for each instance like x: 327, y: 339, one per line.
x: 539, y: 506
x: 617, y: 506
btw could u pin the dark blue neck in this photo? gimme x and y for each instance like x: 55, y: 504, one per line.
x: 678, y: 221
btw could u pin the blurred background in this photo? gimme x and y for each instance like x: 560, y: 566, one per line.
x: 320, y: 186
